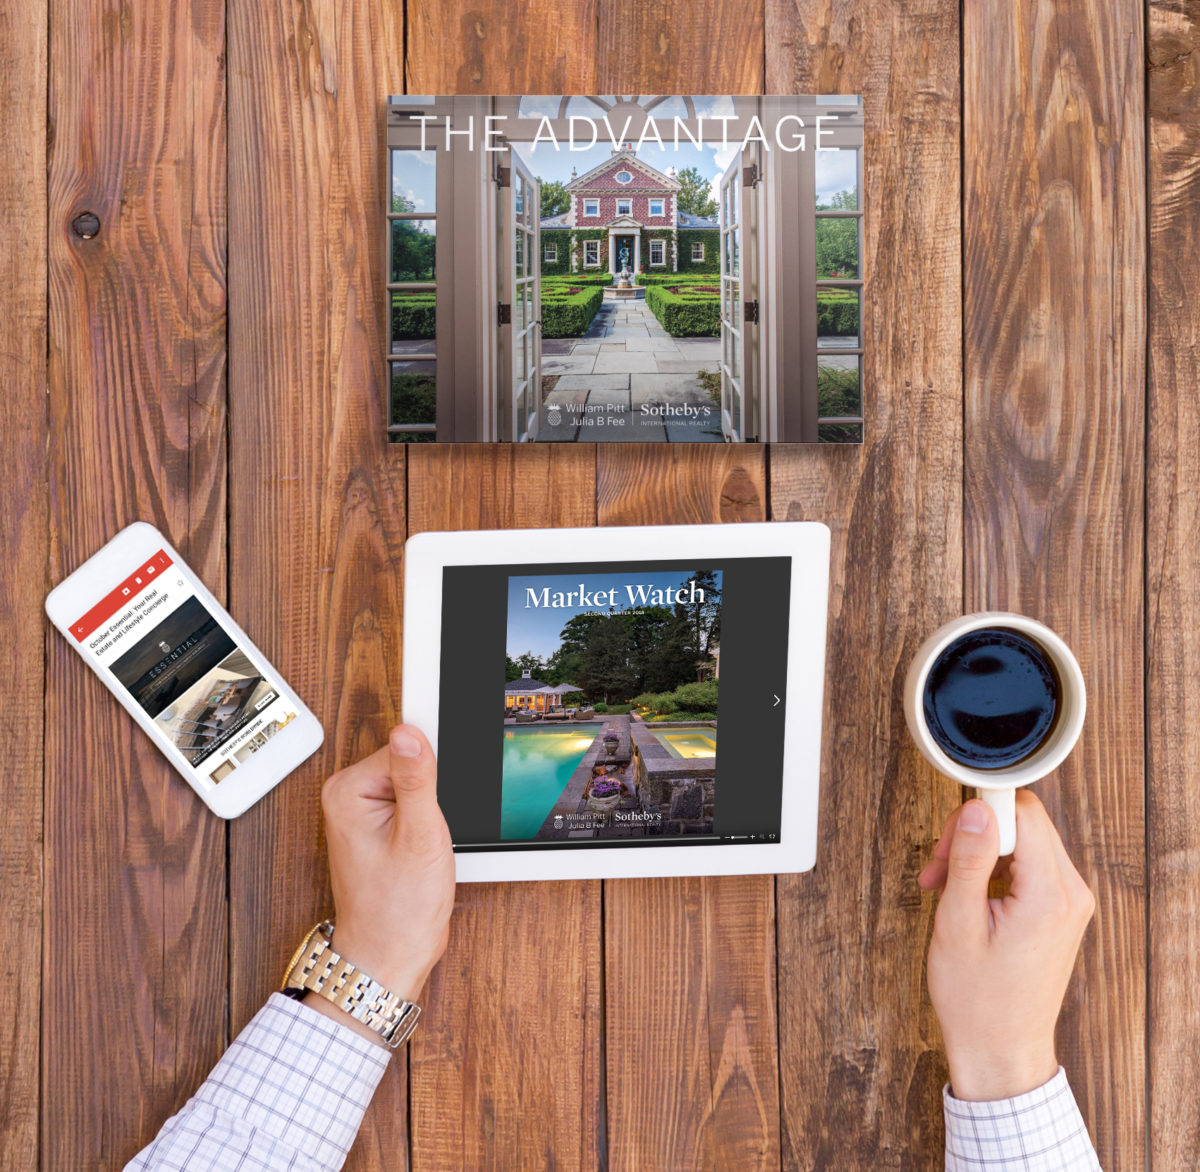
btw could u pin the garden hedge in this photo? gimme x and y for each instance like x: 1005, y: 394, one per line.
x: 685, y: 315
x: 678, y: 278
x: 568, y: 315
x: 589, y: 278
x: 837, y: 312
x: 413, y: 317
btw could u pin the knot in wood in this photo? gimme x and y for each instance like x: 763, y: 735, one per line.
x: 86, y: 225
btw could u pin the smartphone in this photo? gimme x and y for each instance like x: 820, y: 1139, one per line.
x: 188, y: 674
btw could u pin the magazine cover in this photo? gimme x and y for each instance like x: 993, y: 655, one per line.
x: 624, y: 268
x: 610, y: 705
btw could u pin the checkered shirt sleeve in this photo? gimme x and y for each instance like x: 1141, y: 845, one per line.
x: 1041, y: 1131
x: 287, y: 1096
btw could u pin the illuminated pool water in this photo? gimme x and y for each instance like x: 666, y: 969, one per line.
x: 537, y: 766
x: 687, y: 742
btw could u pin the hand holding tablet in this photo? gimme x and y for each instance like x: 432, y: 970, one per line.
x: 601, y: 699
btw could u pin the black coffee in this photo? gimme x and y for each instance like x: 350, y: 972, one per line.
x: 991, y: 698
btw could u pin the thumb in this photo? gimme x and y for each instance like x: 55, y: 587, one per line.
x: 413, y: 771
x: 974, y: 852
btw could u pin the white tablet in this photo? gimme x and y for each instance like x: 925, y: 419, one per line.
x: 574, y: 681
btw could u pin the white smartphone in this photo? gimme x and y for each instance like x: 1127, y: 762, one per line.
x: 188, y: 674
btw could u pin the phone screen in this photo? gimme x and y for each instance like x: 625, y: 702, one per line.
x: 211, y: 699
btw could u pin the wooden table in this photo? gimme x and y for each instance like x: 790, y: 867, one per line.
x: 210, y: 361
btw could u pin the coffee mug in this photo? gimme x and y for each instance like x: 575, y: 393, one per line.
x: 998, y: 787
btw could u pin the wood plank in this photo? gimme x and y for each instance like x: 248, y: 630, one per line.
x: 23, y: 537
x: 317, y: 512
x: 513, y: 1021
x: 692, y: 1076
x: 1173, y: 570
x: 135, y: 939
x: 676, y: 46
x: 860, y: 1061
x: 1054, y: 329
x: 468, y: 47
x: 692, y: 1073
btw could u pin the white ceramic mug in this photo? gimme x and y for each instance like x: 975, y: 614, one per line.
x: 998, y: 787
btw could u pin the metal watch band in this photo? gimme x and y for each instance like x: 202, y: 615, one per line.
x: 318, y: 969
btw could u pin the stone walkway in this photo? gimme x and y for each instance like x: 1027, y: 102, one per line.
x: 628, y: 379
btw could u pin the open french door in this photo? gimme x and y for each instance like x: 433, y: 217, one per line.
x: 739, y: 304
x: 521, y: 304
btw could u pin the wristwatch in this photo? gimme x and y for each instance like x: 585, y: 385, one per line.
x: 316, y: 968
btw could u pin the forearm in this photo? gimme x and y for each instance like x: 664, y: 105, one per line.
x: 1040, y: 1129
x: 288, y: 1094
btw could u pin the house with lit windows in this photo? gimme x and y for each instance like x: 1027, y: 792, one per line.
x: 625, y: 213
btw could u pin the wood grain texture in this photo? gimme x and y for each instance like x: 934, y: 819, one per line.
x: 468, y: 47
x: 690, y: 1026
x: 860, y: 1058
x: 317, y: 501
x: 23, y: 537
x: 1054, y: 335
x: 506, y: 1070
x: 676, y: 46
x: 134, y: 876
x: 1172, y: 572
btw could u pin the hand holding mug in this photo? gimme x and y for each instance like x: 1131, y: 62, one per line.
x: 998, y: 968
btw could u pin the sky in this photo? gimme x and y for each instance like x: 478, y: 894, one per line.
x: 413, y: 172
x: 538, y: 629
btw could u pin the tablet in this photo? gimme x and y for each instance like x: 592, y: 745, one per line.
x: 621, y: 702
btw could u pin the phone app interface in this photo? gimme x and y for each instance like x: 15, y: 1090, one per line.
x: 639, y: 705
x: 211, y: 700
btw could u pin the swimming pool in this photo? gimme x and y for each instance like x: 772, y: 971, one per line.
x: 538, y: 763
x: 687, y: 742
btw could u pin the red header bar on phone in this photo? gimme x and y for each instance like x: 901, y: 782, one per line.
x: 133, y: 587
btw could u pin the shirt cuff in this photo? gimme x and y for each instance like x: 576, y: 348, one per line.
x: 1040, y: 1130
x: 300, y: 1078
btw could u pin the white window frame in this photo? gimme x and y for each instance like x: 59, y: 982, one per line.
x: 700, y: 245
x: 591, y: 207
x: 661, y: 207
x: 587, y: 263
x: 625, y: 207
x: 550, y: 254
x: 662, y: 254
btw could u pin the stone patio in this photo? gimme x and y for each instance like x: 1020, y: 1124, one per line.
x: 628, y: 379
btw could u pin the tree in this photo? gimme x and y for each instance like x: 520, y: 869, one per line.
x: 513, y: 668
x: 695, y: 195
x: 555, y: 199
x: 413, y: 249
x: 702, y: 619
x: 604, y: 668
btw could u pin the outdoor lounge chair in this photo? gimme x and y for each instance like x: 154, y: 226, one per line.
x: 585, y: 714
x: 527, y: 717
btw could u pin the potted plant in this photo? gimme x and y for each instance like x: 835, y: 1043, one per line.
x: 604, y: 795
x: 611, y: 741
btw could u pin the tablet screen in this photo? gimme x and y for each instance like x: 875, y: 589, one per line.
x: 608, y: 704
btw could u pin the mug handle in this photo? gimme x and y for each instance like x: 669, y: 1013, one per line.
x: 1004, y: 806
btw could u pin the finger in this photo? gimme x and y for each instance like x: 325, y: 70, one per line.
x: 1037, y: 860
x: 974, y: 851
x: 413, y: 771
x: 933, y: 874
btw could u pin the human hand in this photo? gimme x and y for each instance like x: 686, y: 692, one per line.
x: 390, y: 863
x: 998, y: 968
